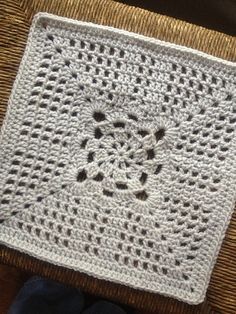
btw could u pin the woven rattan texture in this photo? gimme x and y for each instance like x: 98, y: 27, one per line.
x: 23, y: 19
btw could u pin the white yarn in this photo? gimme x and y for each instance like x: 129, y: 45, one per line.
x: 118, y: 156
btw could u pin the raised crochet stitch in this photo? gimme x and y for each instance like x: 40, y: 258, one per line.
x: 118, y: 157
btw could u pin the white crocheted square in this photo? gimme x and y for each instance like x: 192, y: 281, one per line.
x: 118, y: 157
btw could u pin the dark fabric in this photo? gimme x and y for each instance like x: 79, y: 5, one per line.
x: 43, y: 296
x: 219, y: 15
x: 104, y: 307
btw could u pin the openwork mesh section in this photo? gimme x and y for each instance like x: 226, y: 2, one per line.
x: 118, y: 157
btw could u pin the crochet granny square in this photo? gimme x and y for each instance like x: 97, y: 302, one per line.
x: 118, y: 157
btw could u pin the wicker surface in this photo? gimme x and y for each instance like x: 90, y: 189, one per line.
x: 14, y: 25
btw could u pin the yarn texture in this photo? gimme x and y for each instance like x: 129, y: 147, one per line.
x: 118, y: 156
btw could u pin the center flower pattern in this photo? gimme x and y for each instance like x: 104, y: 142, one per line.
x: 117, y: 152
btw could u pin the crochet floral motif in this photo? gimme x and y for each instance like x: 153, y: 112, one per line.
x: 119, y: 153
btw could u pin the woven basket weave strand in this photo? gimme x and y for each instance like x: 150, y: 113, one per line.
x: 14, y: 25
